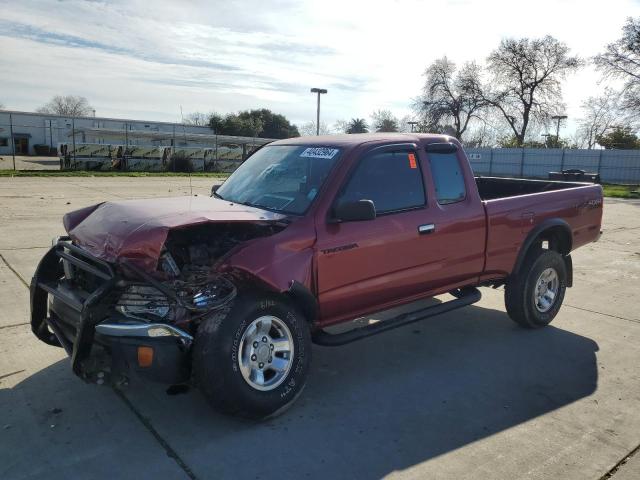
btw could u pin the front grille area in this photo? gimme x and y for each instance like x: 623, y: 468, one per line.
x: 81, y: 269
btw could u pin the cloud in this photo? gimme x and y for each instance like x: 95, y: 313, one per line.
x: 134, y: 57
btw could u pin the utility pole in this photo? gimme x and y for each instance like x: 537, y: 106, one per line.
x: 546, y: 139
x: 73, y: 132
x: 319, y: 91
x: 13, y: 142
x: 559, y: 118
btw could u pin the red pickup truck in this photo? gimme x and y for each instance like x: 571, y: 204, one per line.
x: 229, y: 291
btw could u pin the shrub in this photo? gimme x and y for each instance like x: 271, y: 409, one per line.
x: 179, y: 163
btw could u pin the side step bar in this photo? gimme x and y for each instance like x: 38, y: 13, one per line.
x: 464, y: 297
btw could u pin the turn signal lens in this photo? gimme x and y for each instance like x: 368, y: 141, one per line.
x: 145, y: 356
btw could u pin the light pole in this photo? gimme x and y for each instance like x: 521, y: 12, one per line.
x: 559, y: 118
x: 319, y: 91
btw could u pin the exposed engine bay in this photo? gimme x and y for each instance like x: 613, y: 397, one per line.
x: 186, y: 284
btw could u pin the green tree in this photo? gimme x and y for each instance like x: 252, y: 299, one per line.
x: 550, y: 141
x: 384, y: 121
x: 253, y: 123
x: 357, y: 125
x: 620, y: 138
x: 216, y: 122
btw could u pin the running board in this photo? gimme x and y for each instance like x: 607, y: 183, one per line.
x: 464, y: 297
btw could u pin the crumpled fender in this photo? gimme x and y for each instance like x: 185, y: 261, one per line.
x: 278, y: 260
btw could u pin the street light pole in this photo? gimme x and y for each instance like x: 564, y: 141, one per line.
x: 319, y: 91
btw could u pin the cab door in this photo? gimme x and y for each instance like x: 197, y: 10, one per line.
x: 362, y: 264
x: 413, y: 246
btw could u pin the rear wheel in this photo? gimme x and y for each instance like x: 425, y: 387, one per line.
x: 252, y: 360
x: 534, y: 295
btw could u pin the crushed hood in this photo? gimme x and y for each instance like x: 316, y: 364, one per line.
x: 137, y: 229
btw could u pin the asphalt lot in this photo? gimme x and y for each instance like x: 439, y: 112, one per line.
x: 463, y: 395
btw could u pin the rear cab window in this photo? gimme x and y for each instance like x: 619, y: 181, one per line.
x: 447, y: 176
x: 391, y: 179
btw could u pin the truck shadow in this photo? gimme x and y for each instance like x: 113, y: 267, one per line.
x: 381, y: 405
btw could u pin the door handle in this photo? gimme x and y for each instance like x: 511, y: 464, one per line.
x: 426, y: 228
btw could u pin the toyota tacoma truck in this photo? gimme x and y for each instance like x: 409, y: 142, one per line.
x: 230, y: 291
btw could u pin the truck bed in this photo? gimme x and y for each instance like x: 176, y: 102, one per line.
x: 491, y: 188
x: 514, y: 207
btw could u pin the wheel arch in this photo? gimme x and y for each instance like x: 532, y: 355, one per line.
x: 304, y: 299
x: 559, y: 236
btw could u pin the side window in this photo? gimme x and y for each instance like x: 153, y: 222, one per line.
x: 392, y: 180
x: 447, y: 178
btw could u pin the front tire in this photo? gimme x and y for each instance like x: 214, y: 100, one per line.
x: 253, y: 358
x: 534, y: 295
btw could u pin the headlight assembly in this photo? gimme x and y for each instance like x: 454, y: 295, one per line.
x: 143, y: 302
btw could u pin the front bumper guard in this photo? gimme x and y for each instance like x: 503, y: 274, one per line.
x: 90, y: 315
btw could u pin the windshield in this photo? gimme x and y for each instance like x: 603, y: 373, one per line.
x: 283, y: 178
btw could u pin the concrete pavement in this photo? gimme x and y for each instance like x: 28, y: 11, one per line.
x: 463, y: 395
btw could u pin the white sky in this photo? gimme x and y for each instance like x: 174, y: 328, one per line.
x: 144, y: 59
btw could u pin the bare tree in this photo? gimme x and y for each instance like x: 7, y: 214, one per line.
x: 526, y: 80
x: 384, y: 121
x: 451, y: 98
x: 69, y: 105
x: 309, y: 129
x: 621, y: 60
x: 198, y: 119
x: 600, y: 116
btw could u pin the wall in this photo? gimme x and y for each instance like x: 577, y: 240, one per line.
x: 38, y: 129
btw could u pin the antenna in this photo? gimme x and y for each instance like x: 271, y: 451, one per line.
x: 184, y: 133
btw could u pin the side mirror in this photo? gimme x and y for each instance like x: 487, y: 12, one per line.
x: 214, y: 189
x: 354, y: 211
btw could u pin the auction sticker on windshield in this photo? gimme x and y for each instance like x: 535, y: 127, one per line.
x: 319, y: 152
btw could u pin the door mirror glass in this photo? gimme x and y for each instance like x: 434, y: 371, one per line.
x: 354, y: 211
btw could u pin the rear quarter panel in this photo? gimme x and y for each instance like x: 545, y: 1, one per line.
x: 510, y: 220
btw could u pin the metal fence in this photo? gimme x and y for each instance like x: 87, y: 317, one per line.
x: 614, y: 166
x: 23, y: 134
x: 31, y: 141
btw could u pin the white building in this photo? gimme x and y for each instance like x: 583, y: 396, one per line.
x: 30, y: 129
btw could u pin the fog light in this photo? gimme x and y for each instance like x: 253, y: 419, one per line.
x: 145, y: 357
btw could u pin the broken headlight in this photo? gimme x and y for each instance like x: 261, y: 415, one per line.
x: 143, y: 302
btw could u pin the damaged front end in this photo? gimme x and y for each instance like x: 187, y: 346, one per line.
x: 118, y: 318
